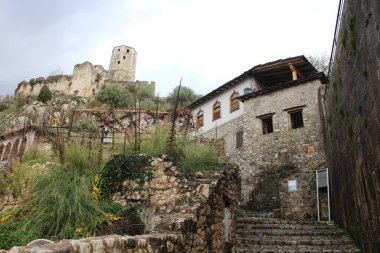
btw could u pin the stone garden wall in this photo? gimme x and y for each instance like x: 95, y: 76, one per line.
x: 182, y: 213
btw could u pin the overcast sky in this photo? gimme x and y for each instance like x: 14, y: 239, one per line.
x: 205, y: 42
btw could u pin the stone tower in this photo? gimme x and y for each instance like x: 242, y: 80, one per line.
x: 123, y: 64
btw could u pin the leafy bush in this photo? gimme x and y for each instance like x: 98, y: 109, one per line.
x: 186, y: 96
x: 123, y: 167
x: 115, y: 95
x: 145, y: 90
x: 45, y: 94
x: 84, y: 124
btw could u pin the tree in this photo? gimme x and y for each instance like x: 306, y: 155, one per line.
x: 45, y: 94
x: 320, y: 62
x: 186, y: 96
x: 115, y: 95
x: 145, y: 90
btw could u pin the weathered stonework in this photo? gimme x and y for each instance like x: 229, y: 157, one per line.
x: 123, y: 64
x: 87, y: 79
x: 226, y: 138
x: 182, y: 213
x: 268, y: 161
x: 352, y: 105
x: 192, y: 204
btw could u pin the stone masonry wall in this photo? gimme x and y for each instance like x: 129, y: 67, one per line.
x: 270, y: 160
x: 352, y: 104
x: 182, y: 213
x: 267, y: 162
x: 57, y: 84
x: 226, y: 136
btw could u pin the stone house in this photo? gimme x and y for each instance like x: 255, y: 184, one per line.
x: 268, y: 122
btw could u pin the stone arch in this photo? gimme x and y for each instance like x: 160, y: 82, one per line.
x: 7, y: 151
x: 22, y: 148
x: 1, y: 150
x: 15, y: 149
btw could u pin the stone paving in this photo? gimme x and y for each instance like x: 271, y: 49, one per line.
x: 261, y: 232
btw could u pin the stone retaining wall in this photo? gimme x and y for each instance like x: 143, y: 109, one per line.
x: 182, y: 213
x: 352, y: 104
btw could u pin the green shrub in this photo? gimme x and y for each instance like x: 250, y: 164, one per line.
x: 186, y: 96
x: 123, y: 167
x: 145, y: 90
x: 115, y: 95
x: 45, y: 94
x: 84, y: 124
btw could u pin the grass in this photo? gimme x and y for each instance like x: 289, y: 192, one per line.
x: 154, y: 143
x: 194, y: 155
x: 35, y: 154
x: 62, y: 198
x: 197, y: 156
x: 16, y: 181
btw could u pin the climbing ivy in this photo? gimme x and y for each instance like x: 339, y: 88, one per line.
x: 123, y: 167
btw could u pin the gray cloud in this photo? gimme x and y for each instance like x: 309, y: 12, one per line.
x: 206, y: 42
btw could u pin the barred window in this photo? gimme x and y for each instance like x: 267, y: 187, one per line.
x: 296, y: 119
x: 200, y: 119
x: 216, y: 111
x: 267, y: 125
x: 234, y: 101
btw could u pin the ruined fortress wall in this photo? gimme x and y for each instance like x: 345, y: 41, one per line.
x: 87, y: 79
x: 58, y: 84
x: 352, y: 104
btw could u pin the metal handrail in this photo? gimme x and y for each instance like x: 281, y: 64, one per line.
x: 336, y: 36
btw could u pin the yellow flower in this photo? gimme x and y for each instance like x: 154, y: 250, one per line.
x: 111, y: 217
x: 6, y: 217
x: 79, y: 230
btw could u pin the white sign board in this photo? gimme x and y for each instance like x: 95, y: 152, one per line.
x: 292, y: 185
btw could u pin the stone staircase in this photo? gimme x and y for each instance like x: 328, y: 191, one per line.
x: 261, y: 232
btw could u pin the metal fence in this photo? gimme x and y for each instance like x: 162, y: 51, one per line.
x: 336, y: 36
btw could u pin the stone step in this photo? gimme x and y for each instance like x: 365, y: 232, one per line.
x: 283, y: 227
x: 294, y: 240
x: 279, y: 232
x: 254, y: 220
x: 261, y: 232
x: 296, y: 249
x: 254, y: 214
